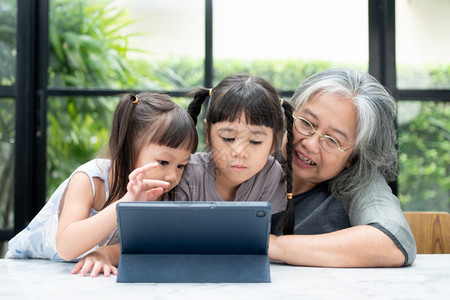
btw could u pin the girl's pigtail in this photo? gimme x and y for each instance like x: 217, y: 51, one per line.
x: 121, y: 140
x: 195, y: 106
x: 288, y: 218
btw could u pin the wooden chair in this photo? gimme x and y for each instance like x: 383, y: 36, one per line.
x: 431, y: 231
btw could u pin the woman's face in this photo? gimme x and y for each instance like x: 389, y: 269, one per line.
x: 330, y: 115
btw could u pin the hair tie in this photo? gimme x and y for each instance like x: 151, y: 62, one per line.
x: 289, y: 196
x: 281, y: 101
x: 135, y: 99
x: 210, y: 92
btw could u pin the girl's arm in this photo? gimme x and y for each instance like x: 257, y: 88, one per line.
x: 359, y: 246
x: 77, y: 232
x: 379, y: 237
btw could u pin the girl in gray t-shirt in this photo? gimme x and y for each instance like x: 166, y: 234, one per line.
x: 243, y: 125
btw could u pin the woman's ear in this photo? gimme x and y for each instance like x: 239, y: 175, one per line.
x: 350, y: 161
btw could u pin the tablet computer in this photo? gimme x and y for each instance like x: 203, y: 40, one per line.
x: 194, y: 241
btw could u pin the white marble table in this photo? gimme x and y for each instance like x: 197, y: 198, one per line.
x: 427, y: 278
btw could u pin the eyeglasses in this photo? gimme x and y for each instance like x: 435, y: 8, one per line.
x: 327, y: 142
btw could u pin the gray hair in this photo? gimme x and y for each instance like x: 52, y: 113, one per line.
x: 374, y: 150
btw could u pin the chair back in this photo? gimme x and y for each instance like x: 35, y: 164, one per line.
x: 431, y: 231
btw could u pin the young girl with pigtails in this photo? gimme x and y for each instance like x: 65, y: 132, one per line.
x: 151, y: 141
x: 244, y: 122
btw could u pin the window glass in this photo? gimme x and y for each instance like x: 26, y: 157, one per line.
x: 424, y: 147
x: 77, y: 130
x: 423, y: 44
x: 8, y: 16
x: 7, y: 161
x: 155, y: 45
x: 285, y: 41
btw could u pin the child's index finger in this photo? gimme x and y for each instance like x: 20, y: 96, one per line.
x: 142, y: 169
x: 149, y: 166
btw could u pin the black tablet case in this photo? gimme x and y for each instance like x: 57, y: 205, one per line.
x: 194, y: 241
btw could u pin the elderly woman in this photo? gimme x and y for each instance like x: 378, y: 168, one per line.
x: 343, y: 213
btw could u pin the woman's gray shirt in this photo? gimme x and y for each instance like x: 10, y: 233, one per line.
x: 376, y: 205
x: 317, y: 211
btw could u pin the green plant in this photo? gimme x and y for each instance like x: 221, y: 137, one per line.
x: 88, y: 49
x: 7, y: 111
x: 424, y: 147
x: 7, y: 41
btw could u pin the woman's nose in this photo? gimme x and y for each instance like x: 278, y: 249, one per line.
x: 312, y: 142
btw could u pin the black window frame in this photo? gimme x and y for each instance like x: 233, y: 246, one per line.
x: 31, y: 90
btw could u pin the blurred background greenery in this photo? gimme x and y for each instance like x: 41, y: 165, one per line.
x: 88, y: 48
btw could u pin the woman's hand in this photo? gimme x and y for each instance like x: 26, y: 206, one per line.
x: 141, y: 189
x: 103, y: 260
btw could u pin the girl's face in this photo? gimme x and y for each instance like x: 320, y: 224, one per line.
x: 330, y: 115
x: 239, y: 150
x: 172, y: 162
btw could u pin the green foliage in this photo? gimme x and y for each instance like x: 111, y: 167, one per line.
x: 7, y: 111
x: 424, y: 147
x: 7, y: 135
x: 7, y: 41
x: 440, y: 76
x: 187, y: 72
x: 74, y: 136
x: 88, y: 49
x: 82, y: 54
x: 284, y: 74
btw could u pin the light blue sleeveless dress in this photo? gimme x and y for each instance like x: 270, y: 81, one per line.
x: 38, y: 239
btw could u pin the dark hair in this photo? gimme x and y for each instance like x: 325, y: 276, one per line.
x: 257, y: 99
x: 140, y: 120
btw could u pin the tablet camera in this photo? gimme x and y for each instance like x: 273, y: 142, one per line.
x: 260, y: 213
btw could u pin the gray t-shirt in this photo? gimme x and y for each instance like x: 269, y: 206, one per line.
x: 376, y: 205
x: 317, y: 211
x: 198, y: 184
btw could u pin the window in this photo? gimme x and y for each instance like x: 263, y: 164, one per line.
x: 286, y: 41
x: 423, y: 46
x: 8, y: 51
x: 423, y: 75
x: 79, y: 55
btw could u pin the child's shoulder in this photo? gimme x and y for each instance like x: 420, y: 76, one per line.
x: 96, y: 163
x: 272, y: 163
x: 98, y: 167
